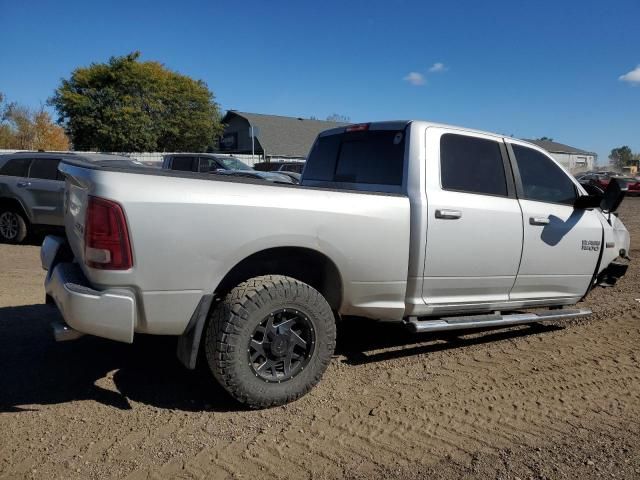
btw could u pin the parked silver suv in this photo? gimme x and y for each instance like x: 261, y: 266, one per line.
x: 31, y: 190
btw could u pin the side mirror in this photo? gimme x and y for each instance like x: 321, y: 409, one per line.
x: 613, y: 195
x: 587, y: 201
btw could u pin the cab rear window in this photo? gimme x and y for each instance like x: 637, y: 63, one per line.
x: 370, y: 157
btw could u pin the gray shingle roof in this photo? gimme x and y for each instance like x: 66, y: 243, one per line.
x: 555, y: 147
x: 285, y: 136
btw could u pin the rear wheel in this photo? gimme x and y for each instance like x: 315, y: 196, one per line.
x: 13, y: 226
x: 270, y: 340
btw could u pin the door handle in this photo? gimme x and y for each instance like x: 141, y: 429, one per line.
x: 539, y: 221
x: 23, y: 184
x: 446, y: 214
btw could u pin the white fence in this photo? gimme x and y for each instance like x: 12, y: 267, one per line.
x: 156, y: 157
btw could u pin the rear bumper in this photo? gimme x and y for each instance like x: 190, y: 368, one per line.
x: 107, y: 313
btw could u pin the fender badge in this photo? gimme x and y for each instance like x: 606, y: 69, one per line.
x: 610, y: 244
x: 591, y: 245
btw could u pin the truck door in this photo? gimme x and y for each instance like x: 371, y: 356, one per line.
x: 561, y: 244
x: 44, y: 190
x: 474, y: 224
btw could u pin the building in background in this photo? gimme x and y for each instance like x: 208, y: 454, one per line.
x: 571, y: 158
x: 270, y: 137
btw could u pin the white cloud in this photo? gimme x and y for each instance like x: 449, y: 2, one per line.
x: 632, y: 77
x: 438, y: 67
x: 414, y: 78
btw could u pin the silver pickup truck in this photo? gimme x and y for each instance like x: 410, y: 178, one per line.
x: 431, y: 226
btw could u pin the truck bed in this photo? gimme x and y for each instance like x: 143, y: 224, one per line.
x: 188, y: 230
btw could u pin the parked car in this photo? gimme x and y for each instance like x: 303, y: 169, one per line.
x: 429, y: 226
x: 599, y: 179
x: 295, y: 177
x: 295, y: 167
x: 31, y: 190
x: 592, y: 188
x: 632, y: 184
x: 218, y: 164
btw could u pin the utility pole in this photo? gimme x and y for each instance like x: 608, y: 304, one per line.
x: 253, y: 146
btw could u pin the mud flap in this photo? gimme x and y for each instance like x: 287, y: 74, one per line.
x: 189, y: 341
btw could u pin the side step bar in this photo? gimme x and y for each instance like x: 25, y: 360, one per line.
x: 491, y: 320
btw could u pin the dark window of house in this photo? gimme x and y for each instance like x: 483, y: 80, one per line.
x: 473, y: 165
x: 373, y: 157
x: 44, y: 168
x: 16, y: 167
x: 184, y: 164
x: 542, y: 179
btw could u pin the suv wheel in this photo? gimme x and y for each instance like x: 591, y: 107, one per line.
x: 270, y: 340
x: 13, y: 226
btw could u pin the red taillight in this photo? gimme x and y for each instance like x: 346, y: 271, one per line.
x: 106, y: 238
x: 360, y: 127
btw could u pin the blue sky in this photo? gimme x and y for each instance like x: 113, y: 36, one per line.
x: 527, y: 68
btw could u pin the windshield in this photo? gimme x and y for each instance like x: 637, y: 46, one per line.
x: 233, y: 163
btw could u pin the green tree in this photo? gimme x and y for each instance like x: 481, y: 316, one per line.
x: 621, y: 156
x: 128, y: 105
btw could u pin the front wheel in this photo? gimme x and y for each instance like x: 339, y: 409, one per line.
x: 13, y: 226
x: 270, y: 340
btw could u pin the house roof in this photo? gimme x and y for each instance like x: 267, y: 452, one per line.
x: 555, y: 147
x: 284, y: 136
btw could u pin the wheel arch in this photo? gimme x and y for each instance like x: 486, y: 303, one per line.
x: 9, y: 202
x: 304, y: 264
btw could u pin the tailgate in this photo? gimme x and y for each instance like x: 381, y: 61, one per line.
x: 78, y: 186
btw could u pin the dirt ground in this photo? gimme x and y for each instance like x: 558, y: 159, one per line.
x: 545, y: 401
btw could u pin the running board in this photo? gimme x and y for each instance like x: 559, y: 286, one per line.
x: 491, y: 320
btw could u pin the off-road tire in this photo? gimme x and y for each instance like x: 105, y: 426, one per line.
x: 21, y: 226
x: 231, y: 327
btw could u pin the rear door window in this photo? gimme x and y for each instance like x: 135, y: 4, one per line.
x: 16, y: 167
x: 185, y: 164
x: 370, y: 157
x: 543, y: 180
x: 45, y: 169
x: 472, y: 165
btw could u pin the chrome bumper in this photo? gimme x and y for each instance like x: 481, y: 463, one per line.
x: 104, y: 313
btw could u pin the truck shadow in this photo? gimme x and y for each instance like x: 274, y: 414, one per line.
x: 361, y: 341
x: 35, y: 371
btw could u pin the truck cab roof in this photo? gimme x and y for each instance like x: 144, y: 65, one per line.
x: 401, y: 124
